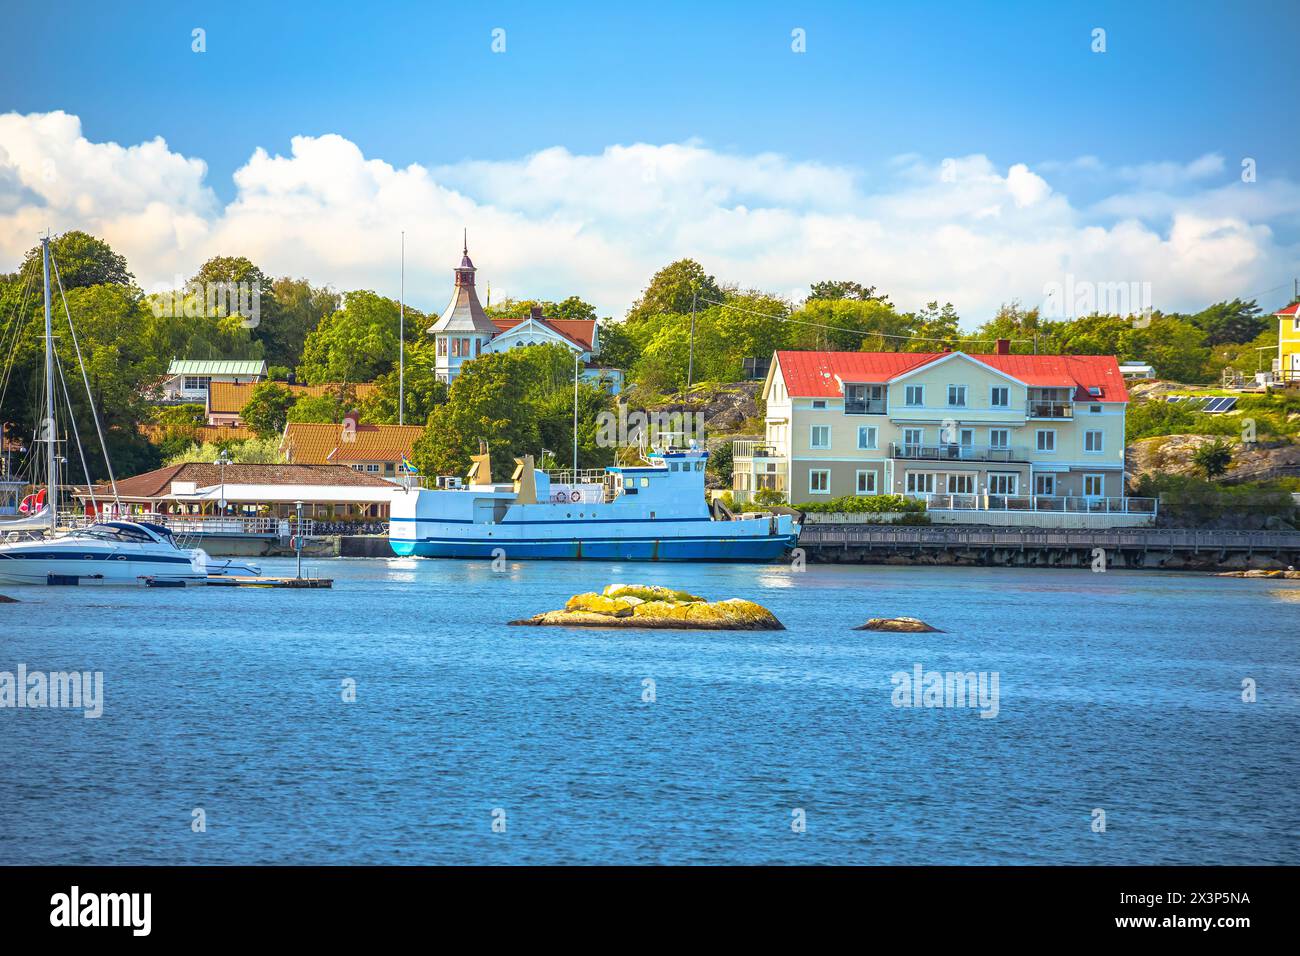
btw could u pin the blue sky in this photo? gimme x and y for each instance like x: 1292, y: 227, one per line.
x: 880, y: 85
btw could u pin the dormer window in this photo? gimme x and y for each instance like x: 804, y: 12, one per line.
x: 1094, y: 391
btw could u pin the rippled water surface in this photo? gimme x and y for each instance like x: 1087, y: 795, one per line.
x: 1119, y: 691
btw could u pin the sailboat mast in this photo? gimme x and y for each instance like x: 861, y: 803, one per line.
x: 47, y: 426
x: 401, y: 343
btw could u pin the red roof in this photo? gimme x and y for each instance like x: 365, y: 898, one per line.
x: 813, y: 374
x: 1289, y: 310
x: 577, y: 331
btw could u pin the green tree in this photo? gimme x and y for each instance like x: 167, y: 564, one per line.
x: 618, y: 349
x: 1175, y: 347
x: 1235, y: 321
x: 268, y: 409
x: 301, y: 307
x: 354, y: 344
x: 81, y: 260
x: 423, y: 391
x: 671, y: 290
x: 1213, y: 459
x: 832, y: 290
x: 251, y: 451
x: 486, y: 403
x: 325, y: 409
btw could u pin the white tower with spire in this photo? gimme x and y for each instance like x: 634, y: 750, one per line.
x: 464, y: 328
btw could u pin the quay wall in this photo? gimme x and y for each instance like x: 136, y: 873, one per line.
x: 1169, y: 549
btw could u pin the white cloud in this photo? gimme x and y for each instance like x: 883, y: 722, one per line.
x: 554, y: 223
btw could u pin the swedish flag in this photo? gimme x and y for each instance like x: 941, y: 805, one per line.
x: 408, y: 467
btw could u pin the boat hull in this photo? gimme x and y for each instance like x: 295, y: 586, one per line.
x: 766, y: 548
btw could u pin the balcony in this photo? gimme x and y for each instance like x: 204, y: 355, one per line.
x: 864, y: 406
x: 955, y: 452
x: 1050, y: 409
x: 753, y: 448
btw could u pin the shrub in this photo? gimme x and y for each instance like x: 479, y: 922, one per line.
x: 865, y: 504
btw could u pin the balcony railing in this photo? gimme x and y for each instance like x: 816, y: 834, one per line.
x: 1072, y: 504
x: 955, y: 452
x: 753, y: 448
x: 864, y: 406
x: 1047, y: 409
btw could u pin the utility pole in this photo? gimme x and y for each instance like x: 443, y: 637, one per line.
x: 401, y: 342
x: 690, y: 360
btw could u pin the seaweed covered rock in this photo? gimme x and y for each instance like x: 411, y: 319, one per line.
x: 910, y: 625
x: 652, y: 606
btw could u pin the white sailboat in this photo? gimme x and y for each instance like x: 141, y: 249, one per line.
x: 108, y: 552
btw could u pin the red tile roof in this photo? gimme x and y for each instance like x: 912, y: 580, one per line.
x: 1289, y: 310
x: 578, y: 331
x: 813, y: 374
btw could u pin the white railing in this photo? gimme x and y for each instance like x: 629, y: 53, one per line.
x: 1063, y: 504
x: 205, y: 524
x: 753, y: 448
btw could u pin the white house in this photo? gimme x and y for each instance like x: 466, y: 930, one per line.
x: 464, y: 332
x: 188, y: 380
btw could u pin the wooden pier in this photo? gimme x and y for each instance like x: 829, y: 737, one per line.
x: 243, y: 581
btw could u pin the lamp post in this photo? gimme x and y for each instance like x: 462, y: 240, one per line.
x: 297, y: 505
x: 223, y: 459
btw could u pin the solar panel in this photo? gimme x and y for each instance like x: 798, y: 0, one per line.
x: 1216, y: 405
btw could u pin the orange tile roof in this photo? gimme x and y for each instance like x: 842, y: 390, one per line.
x: 813, y: 374
x: 228, y: 398
x: 316, y: 443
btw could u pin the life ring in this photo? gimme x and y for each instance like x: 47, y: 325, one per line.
x: 576, y: 495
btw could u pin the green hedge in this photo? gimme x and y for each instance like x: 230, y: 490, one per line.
x: 865, y: 504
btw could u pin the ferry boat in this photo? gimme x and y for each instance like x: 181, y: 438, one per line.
x: 655, y: 511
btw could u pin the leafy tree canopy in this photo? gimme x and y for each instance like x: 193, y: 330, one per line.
x: 671, y: 291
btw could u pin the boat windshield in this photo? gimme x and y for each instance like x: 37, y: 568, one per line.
x: 122, y: 533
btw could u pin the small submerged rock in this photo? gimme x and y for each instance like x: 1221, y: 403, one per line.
x: 6, y: 599
x: 652, y: 606
x: 911, y: 625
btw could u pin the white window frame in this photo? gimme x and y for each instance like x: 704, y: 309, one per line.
x: 872, y: 432
x: 1039, y: 477
x: 920, y: 437
x: 914, y: 478
x: 825, y: 473
x: 1039, y: 445
x: 869, y: 473
x: 1006, y: 438
x: 1010, y: 476
x: 819, y: 403
x: 965, y: 477
x: 1101, y: 481
x: 994, y: 391
x: 957, y: 391
x: 907, y: 395
x: 1100, y: 444
x: 812, y: 437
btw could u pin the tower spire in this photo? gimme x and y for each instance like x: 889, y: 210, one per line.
x: 464, y: 246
